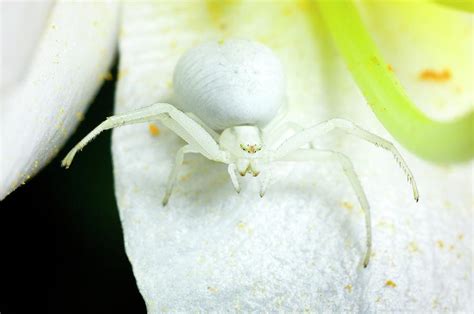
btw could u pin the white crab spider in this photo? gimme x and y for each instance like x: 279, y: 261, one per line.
x: 231, y: 92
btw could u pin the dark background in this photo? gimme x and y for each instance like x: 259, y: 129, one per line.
x: 61, y: 240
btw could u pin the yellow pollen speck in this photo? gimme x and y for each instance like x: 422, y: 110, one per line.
x: 347, y: 205
x: 434, y: 75
x: 375, y: 60
x: 121, y: 74
x: 386, y: 225
x: 79, y: 116
x: 440, y: 244
x: 243, y: 227
x: 348, y: 288
x: 220, y: 41
x: 107, y: 76
x: 390, y: 283
x: 413, y: 247
x: 154, y: 130
x: 185, y: 177
x: 212, y: 289
x: 460, y: 237
x: 169, y: 84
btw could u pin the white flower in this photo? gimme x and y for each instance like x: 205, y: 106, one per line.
x: 44, y: 95
x: 299, y: 247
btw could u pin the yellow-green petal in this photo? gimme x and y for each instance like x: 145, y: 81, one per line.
x: 441, y: 141
x: 465, y: 5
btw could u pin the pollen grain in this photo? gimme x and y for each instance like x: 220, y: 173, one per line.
x: 435, y: 76
x: 154, y: 130
x: 390, y: 283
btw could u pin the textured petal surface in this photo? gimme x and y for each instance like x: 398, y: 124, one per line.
x: 22, y: 24
x: 300, y: 247
x: 41, y: 110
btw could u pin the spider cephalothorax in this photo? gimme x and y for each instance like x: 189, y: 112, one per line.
x: 230, y: 101
x: 251, y: 149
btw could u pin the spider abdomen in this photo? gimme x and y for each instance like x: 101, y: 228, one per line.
x: 230, y: 83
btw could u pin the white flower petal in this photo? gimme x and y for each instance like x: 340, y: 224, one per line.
x: 72, y: 59
x: 300, y: 247
x: 22, y: 24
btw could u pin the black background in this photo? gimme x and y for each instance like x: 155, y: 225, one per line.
x: 61, y: 240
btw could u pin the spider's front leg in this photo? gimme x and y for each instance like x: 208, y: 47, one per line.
x: 265, y: 179
x: 232, y: 170
x: 174, y: 172
x: 198, y: 139
x: 185, y: 127
x: 345, y: 162
x: 307, y: 135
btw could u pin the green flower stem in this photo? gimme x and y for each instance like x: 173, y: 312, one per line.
x: 444, y: 142
x: 463, y: 5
